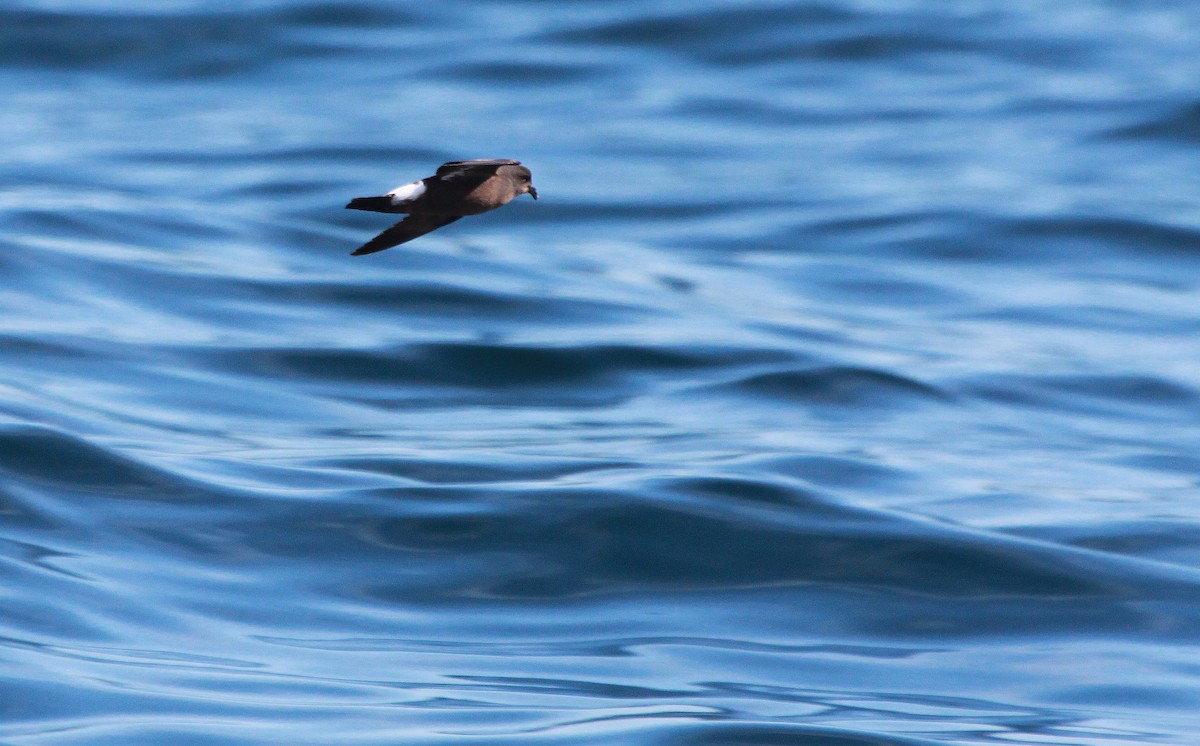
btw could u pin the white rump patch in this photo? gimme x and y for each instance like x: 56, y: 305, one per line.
x: 407, y: 192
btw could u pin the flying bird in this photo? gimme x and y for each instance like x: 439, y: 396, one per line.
x: 458, y: 188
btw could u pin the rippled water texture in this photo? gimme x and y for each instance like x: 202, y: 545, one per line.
x: 841, y: 390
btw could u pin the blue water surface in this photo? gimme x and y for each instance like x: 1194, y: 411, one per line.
x: 843, y: 388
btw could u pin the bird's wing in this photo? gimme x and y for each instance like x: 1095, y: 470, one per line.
x: 406, y: 230
x: 480, y: 168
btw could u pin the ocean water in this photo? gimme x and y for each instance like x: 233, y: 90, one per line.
x: 842, y: 389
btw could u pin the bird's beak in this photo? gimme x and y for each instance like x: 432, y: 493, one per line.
x: 532, y: 191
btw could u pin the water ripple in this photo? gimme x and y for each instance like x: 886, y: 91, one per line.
x: 848, y: 353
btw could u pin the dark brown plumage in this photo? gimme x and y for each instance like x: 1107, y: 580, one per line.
x: 458, y: 188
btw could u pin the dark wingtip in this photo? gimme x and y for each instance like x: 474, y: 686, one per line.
x: 404, y: 231
x: 367, y: 249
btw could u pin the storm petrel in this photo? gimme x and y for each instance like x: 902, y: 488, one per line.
x: 458, y: 188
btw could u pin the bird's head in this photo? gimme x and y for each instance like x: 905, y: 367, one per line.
x: 524, y: 180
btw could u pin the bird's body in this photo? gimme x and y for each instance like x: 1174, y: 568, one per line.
x: 459, y: 188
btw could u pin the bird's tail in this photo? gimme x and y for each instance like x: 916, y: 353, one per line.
x: 373, y: 204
